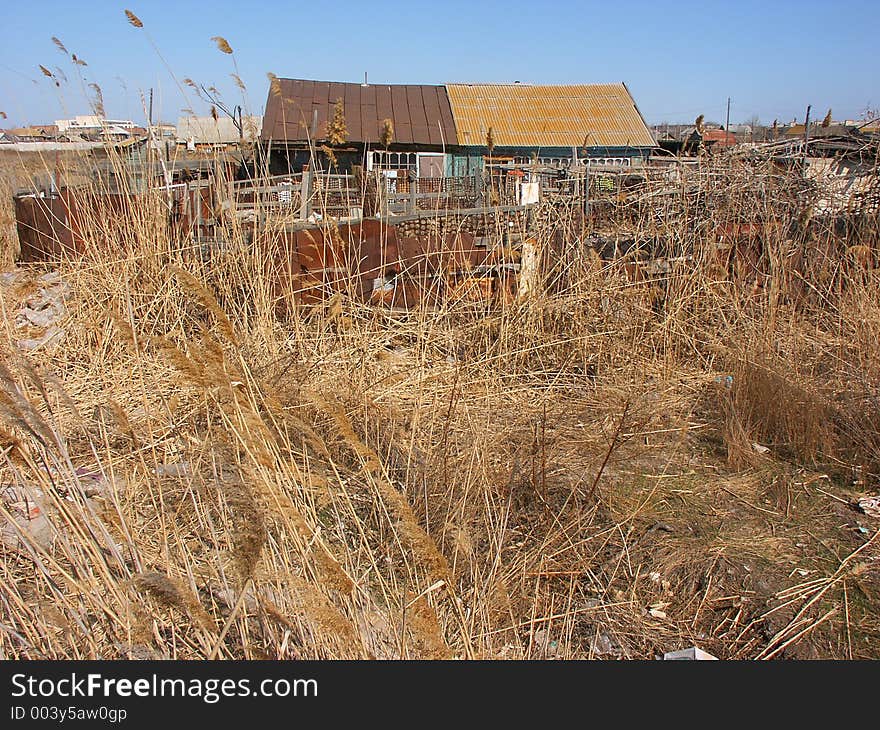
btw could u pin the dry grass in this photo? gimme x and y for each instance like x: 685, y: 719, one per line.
x: 569, y: 477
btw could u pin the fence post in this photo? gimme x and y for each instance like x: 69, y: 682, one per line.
x: 587, y: 188
x: 413, y: 190
x: 305, y: 195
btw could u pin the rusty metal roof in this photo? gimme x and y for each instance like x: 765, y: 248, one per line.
x: 420, y: 114
x: 719, y: 137
x: 522, y: 115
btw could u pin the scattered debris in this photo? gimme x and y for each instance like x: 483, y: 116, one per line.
x: 604, y: 645
x: 691, y: 654
x: 139, y: 652
x: 46, y: 307
x: 42, y: 310
x: 180, y: 469
x: 34, y: 519
x: 28, y: 523
x: 870, y: 506
x: 8, y: 278
x: 227, y: 597
x: 50, y: 336
x: 544, y: 646
x: 92, y: 482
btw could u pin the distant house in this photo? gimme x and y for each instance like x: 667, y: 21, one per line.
x: 868, y: 126
x: 35, y: 133
x: 835, y: 129
x: 163, y: 131
x: 719, y: 138
x: 671, y: 131
x: 94, y: 127
x: 691, y: 141
x: 741, y: 129
x: 433, y: 130
x: 207, y: 132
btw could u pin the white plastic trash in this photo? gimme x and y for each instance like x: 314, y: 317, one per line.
x: 692, y: 654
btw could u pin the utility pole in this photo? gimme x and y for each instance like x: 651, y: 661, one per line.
x: 807, y: 129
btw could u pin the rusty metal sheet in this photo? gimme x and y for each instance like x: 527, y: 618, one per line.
x: 353, y: 106
x: 375, y: 261
x: 418, y: 112
x: 43, y: 230
x: 402, y: 119
x: 60, y: 225
x: 433, y: 117
x: 522, y: 115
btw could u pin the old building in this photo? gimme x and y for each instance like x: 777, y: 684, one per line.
x: 92, y: 126
x: 452, y: 129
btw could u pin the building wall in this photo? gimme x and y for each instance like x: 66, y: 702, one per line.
x: 461, y: 161
x: 468, y: 159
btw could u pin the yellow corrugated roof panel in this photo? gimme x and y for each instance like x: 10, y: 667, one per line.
x: 522, y: 115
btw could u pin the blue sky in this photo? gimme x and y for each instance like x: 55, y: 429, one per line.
x: 679, y: 59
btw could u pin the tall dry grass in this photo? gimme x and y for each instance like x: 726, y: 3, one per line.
x: 571, y: 476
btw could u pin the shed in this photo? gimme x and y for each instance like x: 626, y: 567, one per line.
x: 548, y: 122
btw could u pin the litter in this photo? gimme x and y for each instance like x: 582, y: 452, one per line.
x: 28, y: 522
x: 181, y: 469
x: 545, y: 647
x: 691, y: 654
x: 50, y: 336
x: 38, y: 317
x: 92, y: 483
x: 604, y: 645
x: 870, y: 506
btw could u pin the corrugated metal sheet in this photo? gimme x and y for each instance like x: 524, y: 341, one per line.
x: 418, y: 112
x: 522, y: 115
x: 719, y: 137
x: 310, y: 264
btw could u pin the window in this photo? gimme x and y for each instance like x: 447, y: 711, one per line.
x: 384, y: 160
